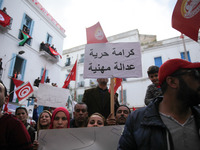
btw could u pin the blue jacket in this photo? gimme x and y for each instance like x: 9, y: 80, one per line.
x: 145, y: 130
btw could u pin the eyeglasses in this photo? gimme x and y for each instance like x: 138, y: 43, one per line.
x: 193, y: 72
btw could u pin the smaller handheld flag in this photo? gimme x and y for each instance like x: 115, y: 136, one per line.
x: 95, y: 34
x: 71, y: 76
x: 24, y: 91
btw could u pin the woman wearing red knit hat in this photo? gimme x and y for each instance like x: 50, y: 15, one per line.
x: 60, y: 118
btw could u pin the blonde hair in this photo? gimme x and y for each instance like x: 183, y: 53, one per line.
x: 38, y: 123
x: 98, y: 114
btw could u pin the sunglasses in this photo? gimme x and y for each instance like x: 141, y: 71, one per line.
x: 192, y: 72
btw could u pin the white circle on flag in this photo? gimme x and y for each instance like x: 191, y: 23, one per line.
x: 24, y: 91
x: 99, y: 34
x: 2, y: 18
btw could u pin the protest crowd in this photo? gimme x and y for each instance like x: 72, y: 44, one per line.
x: 150, y: 127
x: 170, y: 119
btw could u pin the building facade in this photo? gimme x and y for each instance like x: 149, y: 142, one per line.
x: 153, y: 52
x: 32, y: 19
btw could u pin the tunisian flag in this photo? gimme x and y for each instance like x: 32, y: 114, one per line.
x: 54, y: 52
x: 186, y: 18
x: 4, y: 19
x: 95, y: 34
x: 71, y: 76
x: 24, y: 91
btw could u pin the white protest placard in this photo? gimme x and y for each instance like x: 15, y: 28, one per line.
x: 108, y: 60
x: 51, y: 96
x: 92, y: 138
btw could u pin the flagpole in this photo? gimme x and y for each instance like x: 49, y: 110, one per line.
x: 75, y: 79
x: 185, y: 51
x: 112, y: 96
x: 122, y: 94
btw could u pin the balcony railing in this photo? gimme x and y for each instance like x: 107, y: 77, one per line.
x: 44, y: 51
x: 8, y: 27
x: 81, y: 84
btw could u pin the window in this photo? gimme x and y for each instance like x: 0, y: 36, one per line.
x: 80, y: 97
x: 183, y: 55
x: 123, y: 79
x: 93, y: 82
x: 17, y: 64
x: 66, y: 79
x: 81, y: 60
x: 49, y: 39
x: 26, y: 26
x: 158, y: 61
x: 1, y: 2
x: 122, y: 101
x: 46, y: 74
x: 81, y: 82
x: 68, y: 62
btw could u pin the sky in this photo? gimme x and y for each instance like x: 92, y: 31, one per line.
x: 151, y: 17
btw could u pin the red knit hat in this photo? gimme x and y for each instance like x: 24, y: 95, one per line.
x: 54, y: 114
x: 172, y: 65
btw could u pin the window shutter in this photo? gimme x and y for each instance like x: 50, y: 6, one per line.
x: 12, y: 65
x: 1, y: 2
x: 23, y: 69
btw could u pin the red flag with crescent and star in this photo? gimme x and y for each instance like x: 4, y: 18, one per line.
x: 95, y: 34
x: 4, y: 19
x: 186, y: 16
x: 54, y: 52
x: 24, y: 91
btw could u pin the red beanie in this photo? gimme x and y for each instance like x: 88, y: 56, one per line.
x: 172, y: 65
x: 54, y: 114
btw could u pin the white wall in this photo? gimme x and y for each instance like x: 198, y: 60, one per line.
x: 9, y: 42
x: 136, y: 88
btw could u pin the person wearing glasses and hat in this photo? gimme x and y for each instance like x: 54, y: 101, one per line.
x: 171, y: 121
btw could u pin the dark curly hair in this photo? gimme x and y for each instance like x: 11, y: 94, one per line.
x: 152, y: 70
x: 4, y: 88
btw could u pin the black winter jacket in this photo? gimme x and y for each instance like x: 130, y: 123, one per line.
x: 145, y: 130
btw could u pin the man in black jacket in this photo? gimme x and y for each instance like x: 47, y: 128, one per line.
x: 98, y: 99
x: 172, y: 121
x: 80, y: 116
